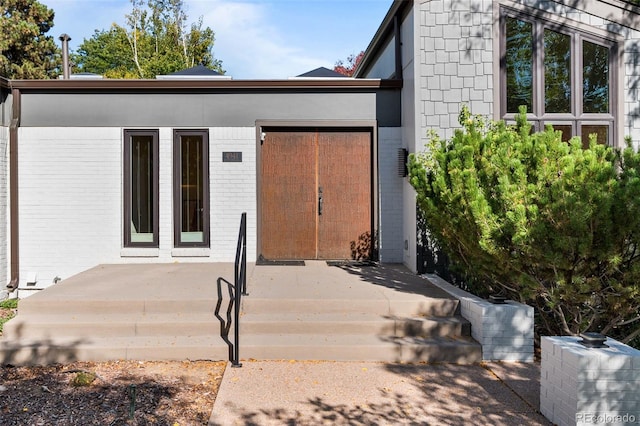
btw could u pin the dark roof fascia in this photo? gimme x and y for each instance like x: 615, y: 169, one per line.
x: 385, y: 30
x: 4, y: 83
x: 201, y: 85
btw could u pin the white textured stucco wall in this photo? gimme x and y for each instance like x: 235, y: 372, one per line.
x: 71, y: 200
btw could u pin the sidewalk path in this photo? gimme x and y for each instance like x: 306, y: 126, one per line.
x: 366, y: 393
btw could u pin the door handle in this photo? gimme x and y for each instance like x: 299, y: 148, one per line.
x: 320, y: 201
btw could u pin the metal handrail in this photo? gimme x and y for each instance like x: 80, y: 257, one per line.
x: 239, y: 287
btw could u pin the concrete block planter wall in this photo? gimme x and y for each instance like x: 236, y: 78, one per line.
x: 584, y: 386
x: 505, y: 331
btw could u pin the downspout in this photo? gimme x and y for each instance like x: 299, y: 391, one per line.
x: 13, y: 189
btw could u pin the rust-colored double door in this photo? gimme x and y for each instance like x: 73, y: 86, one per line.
x: 315, y: 195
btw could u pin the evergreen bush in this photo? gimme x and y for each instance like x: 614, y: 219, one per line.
x: 547, y: 222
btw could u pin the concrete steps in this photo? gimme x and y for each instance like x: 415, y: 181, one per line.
x: 412, y: 306
x: 353, y: 323
x: 44, y: 326
x: 421, y: 330
x: 37, y: 351
x: 60, y: 331
x: 359, y: 347
x: 301, y: 313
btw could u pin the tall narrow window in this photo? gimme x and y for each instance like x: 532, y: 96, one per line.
x: 595, y: 78
x: 557, y: 72
x: 191, y: 188
x: 519, y: 64
x: 140, y: 188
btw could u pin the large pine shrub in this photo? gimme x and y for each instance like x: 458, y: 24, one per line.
x: 548, y: 222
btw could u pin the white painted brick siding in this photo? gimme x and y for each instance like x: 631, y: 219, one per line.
x: 580, y: 385
x: 505, y: 331
x: 71, y: 199
x: 390, y: 188
x: 4, y: 201
x: 233, y: 191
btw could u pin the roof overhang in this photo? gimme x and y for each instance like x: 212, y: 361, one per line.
x: 202, y: 85
x: 385, y: 30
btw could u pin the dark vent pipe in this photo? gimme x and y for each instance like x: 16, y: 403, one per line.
x: 64, y: 38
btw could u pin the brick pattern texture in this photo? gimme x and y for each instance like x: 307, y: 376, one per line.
x: 71, y: 200
x: 457, y: 60
x: 581, y: 386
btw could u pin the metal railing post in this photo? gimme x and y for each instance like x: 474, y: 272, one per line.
x: 239, y: 287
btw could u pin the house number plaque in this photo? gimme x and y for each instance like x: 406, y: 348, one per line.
x: 232, y: 157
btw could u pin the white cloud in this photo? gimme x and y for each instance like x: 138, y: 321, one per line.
x: 254, y: 38
x: 246, y: 42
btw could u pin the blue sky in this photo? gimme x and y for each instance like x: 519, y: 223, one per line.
x: 260, y: 39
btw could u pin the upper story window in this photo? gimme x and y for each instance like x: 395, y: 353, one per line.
x: 565, y: 77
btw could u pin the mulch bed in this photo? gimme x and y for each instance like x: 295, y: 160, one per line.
x: 110, y: 393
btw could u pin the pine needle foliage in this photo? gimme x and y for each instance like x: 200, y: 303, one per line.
x: 547, y: 222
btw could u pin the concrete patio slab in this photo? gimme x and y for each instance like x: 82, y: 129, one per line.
x: 367, y: 393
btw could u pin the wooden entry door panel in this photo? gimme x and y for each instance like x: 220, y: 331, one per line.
x: 315, y: 194
x: 288, y: 198
x: 344, y: 174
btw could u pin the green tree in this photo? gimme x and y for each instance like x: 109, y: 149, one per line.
x: 155, y: 40
x: 26, y: 52
x: 548, y: 222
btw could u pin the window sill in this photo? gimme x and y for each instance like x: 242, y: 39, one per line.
x: 191, y: 252
x: 140, y: 252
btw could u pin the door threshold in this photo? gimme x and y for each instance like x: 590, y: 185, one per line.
x: 355, y: 263
x: 267, y: 262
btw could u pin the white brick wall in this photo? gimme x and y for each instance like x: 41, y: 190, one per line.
x: 581, y: 386
x: 4, y: 199
x: 390, y: 187
x: 233, y: 191
x: 71, y: 199
x: 505, y: 331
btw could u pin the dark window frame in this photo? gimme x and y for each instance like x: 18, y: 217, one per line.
x: 177, y: 188
x: 576, y: 118
x: 127, y: 190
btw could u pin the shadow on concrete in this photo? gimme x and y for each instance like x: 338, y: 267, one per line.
x: 226, y: 322
x: 39, y: 352
x: 393, y: 276
x: 421, y: 394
